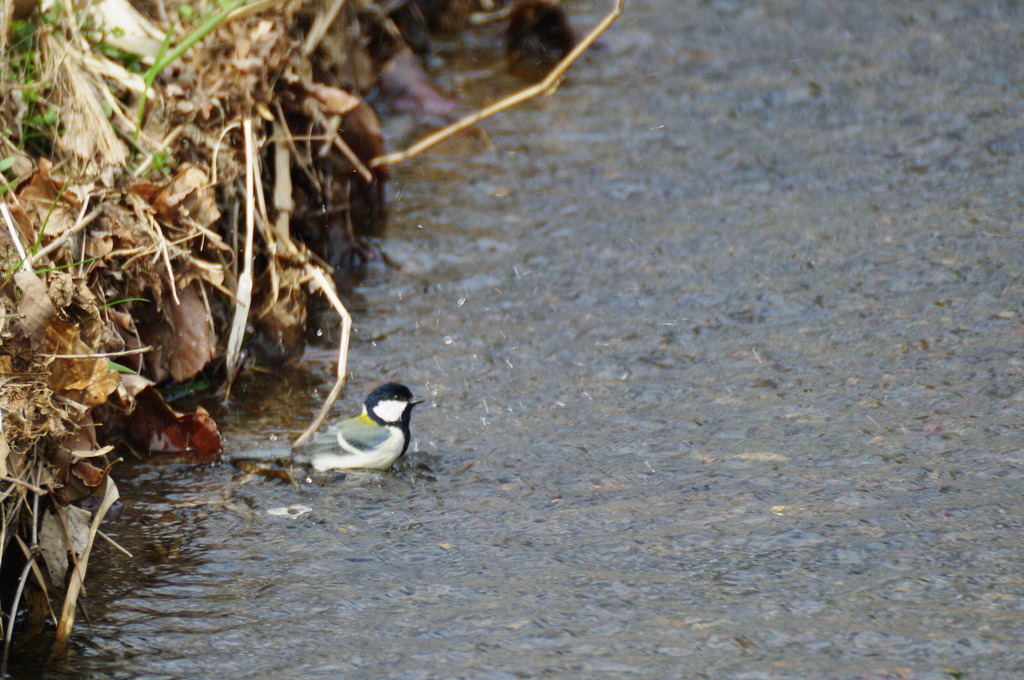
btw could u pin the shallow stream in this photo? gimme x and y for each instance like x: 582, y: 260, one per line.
x: 722, y: 346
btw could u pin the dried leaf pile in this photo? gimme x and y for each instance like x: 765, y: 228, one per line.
x: 168, y: 189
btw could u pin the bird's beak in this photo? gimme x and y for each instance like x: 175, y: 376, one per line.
x: 416, y: 401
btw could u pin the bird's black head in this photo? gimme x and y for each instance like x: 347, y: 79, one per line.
x: 391, y: 404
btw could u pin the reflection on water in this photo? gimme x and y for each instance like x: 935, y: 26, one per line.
x: 723, y: 354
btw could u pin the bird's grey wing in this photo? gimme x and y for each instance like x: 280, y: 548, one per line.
x: 360, y: 435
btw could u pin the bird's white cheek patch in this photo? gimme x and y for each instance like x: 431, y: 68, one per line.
x: 390, y: 410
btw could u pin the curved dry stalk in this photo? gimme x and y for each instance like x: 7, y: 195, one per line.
x: 550, y: 81
x: 67, y: 615
x: 327, y: 287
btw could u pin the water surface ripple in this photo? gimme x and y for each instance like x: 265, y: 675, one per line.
x: 722, y: 345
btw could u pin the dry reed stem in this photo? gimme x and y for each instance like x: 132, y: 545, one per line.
x: 327, y: 288
x: 22, y: 581
x: 243, y: 294
x: 15, y: 236
x: 284, y: 204
x: 67, y: 615
x: 543, y: 86
x: 320, y: 25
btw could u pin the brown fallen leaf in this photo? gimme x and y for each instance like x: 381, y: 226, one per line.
x: 49, y: 205
x: 86, y: 380
x: 34, y: 306
x: 181, y: 336
x: 164, y: 431
x: 90, y: 475
x: 360, y: 128
x: 188, y: 196
x: 193, y: 335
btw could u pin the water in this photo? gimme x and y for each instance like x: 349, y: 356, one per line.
x: 722, y: 346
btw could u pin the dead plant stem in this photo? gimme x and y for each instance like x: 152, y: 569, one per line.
x: 114, y: 543
x: 22, y: 483
x: 327, y: 288
x: 15, y: 237
x: 67, y: 615
x: 244, y: 291
x: 322, y: 22
x: 80, y: 224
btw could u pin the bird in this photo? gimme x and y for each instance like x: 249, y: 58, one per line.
x: 373, y: 440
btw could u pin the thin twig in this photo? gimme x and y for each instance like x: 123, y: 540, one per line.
x: 334, y: 137
x: 114, y: 543
x: 102, y: 355
x: 65, y: 237
x: 528, y: 93
x: 165, y: 251
x: 347, y: 151
x: 253, y: 8
x: 22, y: 483
x: 481, y: 18
x: 165, y: 143
x: 261, y: 199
